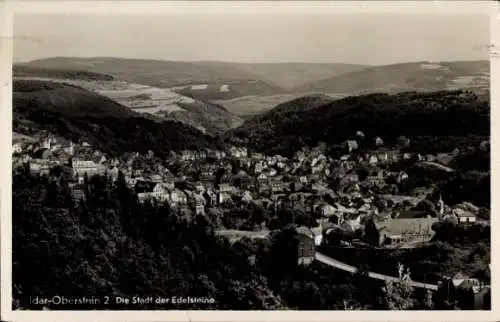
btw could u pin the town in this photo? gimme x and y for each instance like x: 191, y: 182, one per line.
x: 328, y: 191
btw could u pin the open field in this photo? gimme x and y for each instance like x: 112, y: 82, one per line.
x: 249, y: 106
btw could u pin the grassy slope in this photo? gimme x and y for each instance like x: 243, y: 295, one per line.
x: 78, y: 114
x: 149, y: 72
x: 210, y: 117
x: 290, y: 75
x: 397, y: 78
x: 271, y: 77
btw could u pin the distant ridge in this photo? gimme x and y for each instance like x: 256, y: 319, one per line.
x: 279, y: 76
x: 417, y: 76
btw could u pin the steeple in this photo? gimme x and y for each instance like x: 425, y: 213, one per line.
x: 441, y: 206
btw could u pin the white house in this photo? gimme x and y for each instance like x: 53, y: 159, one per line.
x: 17, y: 148
x: 373, y: 160
x: 464, y: 216
x: 178, y: 197
x: 327, y: 210
x: 80, y: 167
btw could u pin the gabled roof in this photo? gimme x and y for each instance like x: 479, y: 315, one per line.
x: 412, y: 214
x: 463, y: 213
x: 304, y: 231
x: 460, y: 276
x: 399, y: 227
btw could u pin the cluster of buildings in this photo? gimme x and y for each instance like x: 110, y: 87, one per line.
x: 329, y: 189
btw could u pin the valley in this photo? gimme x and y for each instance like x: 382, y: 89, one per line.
x: 326, y: 192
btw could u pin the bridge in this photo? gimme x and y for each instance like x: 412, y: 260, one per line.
x: 237, y: 234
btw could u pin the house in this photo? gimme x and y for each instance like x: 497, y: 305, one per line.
x: 402, y: 176
x: 199, y: 203
x: 264, y: 188
x: 444, y: 158
x: 257, y: 156
x: 161, y: 191
x: 178, y: 197
x: 478, y: 293
x: 223, y: 197
x: 388, y: 156
x: 80, y: 167
x: 70, y: 148
x: 259, y: 167
x: 211, y: 197
x: 458, y: 279
x: 317, y: 168
x: 42, y: 167
x: 348, y: 179
x: 277, y: 186
x: 354, y: 220
x: 403, y: 229
x: 318, y: 188
x: 225, y: 187
x: 199, y: 187
x: 238, y: 152
x: 300, y: 156
x: 17, y: 148
x: 375, y: 181
x: 187, y: 155
x: 326, y: 210
x: 464, y: 216
x: 306, y: 248
x: 216, y: 154
x: 246, y: 197
x: 48, y: 143
x: 156, y: 178
x: 201, y: 155
x: 351, y: 145
x: 262, y: 178
x: 407, y: 156
x: 373, y: 160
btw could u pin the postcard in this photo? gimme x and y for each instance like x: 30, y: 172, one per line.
x: 248, y: 161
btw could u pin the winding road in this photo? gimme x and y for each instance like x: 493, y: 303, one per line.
x: 236, y: 234
x: 345, y: 267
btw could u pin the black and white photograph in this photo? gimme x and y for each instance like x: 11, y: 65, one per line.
x: 263, y: 160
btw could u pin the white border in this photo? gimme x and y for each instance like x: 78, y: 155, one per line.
x: 7, y: 9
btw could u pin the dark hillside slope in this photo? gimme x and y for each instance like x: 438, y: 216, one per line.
x: 434, y: 121
x: 22, y: 70
x: 301, y: 104
x: 77, y: 114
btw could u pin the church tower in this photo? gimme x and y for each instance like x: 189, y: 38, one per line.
x: 441, y: 207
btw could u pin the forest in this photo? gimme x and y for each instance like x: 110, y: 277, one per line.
x: 435, y: 122
x: 108, y: 244
x: 29, y: 71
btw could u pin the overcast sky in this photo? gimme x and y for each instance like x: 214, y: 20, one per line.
x: 313, y: 37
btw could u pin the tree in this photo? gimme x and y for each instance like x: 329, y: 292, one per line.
x: 398, y: 296
x: 426, y: 205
